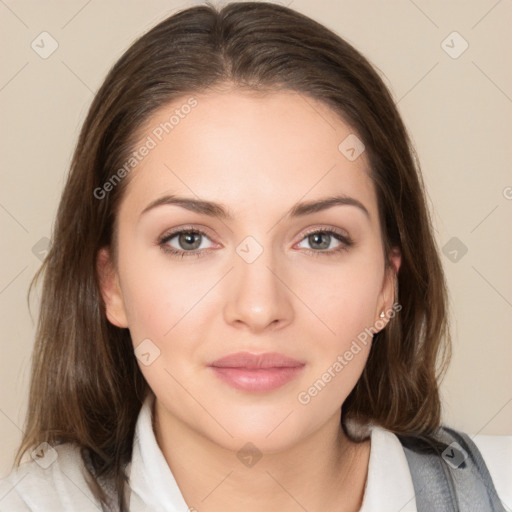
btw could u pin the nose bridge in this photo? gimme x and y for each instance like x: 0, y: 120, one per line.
x: 257, y: 295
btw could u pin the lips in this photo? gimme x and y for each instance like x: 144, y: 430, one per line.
x: 256, y: 361
x: 256, y: 372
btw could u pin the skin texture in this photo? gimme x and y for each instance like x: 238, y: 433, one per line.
x: 258, y: 155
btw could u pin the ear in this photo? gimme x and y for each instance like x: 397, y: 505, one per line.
x: 110, y: 289
x: 387, y: 297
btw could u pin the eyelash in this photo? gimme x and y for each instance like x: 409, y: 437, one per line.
x: 346, y: 241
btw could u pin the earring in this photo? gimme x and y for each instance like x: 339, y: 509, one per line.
x: 382, y: 315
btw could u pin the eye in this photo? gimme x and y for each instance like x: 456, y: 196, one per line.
x: 321, y: 239
x: 188, y: 240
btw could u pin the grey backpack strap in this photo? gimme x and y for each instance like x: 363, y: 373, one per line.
x: 449, y: 473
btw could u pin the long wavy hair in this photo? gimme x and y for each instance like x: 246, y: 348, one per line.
x: 86, y: 387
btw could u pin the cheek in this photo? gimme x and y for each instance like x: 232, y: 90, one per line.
x: 173, y: 303
x: 344, y: 302
x: 351, y: 310
x: 342, y: 299
x: 148, y: 307
x: 339, y: 354
x: 158, y: 296
x: 161, y: 307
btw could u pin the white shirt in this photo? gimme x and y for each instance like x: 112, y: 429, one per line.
x: 61, y: 486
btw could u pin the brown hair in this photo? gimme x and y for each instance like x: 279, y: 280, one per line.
x: 86, y: 387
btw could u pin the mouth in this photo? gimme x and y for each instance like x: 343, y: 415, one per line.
x: 256, y: 372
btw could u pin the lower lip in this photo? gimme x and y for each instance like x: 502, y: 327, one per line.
x: 257, y: 380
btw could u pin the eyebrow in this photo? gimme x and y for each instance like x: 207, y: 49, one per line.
x: 219, y: 211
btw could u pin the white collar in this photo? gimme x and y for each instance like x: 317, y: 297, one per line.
x: 151, y: 480
x: 388, y: 487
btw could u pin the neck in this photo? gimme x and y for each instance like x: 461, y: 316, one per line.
x: 325, y: 471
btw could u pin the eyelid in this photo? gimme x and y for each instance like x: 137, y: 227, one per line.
x: 316, y: 229
x: 195, y: 228
x: 207, y: 231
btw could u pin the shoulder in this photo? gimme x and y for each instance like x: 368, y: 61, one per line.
x: 53, y: 480
x: 450, y: 463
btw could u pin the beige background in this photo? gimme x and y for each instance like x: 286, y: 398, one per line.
x: 458, y: 111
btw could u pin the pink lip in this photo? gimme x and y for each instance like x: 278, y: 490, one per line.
x: 256, y: 372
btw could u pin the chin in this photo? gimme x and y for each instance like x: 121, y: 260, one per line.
x: 273, y: 430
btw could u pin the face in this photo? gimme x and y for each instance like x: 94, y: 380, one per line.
x: 266, y: 277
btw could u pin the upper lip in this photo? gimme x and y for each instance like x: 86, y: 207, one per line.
x: 255, y: 361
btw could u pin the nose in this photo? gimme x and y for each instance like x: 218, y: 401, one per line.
x: 258, y: 297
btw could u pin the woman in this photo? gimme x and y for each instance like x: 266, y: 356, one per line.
x: 289, y: 357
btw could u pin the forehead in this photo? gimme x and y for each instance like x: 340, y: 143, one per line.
x: 248, y: 151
